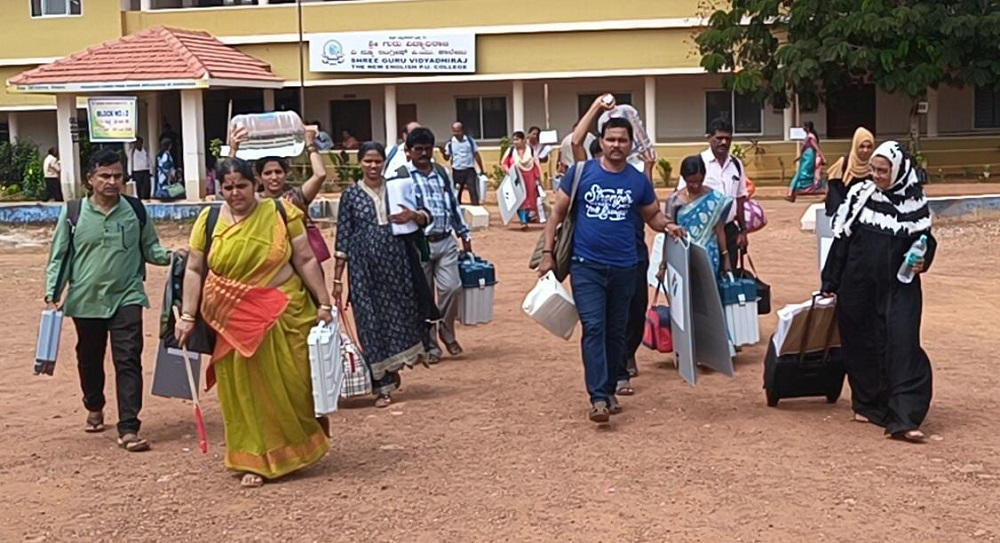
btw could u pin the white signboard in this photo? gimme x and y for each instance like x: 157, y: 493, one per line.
x: 389, y: 52
x: 112, y: 119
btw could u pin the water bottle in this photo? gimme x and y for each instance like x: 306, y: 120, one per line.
x: 916, y: 252
x: 279, y: 133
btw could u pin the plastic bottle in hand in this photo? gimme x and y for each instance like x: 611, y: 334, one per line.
x: 279, y: 133
x: 916, y: 252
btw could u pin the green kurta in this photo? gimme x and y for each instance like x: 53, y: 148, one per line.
x: 107, y: 267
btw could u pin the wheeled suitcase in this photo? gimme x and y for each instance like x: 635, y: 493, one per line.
x: 326, y: 366
x: 799, y: 373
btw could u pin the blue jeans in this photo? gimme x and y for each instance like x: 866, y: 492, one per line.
x: 602, y: 294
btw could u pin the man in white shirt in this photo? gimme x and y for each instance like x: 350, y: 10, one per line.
x: 138, y: 169
x: 395, y: 157
x: 725, y: 174
x: 464, y: 155
x: 566, y: 149
x: 52, y: 170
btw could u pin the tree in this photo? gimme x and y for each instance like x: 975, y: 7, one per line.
x: 812, y: 48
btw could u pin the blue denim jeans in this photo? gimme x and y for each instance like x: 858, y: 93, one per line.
x: 602, y: 294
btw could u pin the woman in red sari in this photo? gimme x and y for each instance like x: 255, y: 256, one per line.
x: 523, y: 158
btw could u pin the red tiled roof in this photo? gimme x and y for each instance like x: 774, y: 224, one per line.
x: 159, y: 53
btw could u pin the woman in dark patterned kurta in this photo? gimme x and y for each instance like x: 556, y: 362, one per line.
x: 384, y: 275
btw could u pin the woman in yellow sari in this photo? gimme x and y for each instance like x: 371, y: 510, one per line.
x: 255, y: 297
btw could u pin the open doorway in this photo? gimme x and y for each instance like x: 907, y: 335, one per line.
x: 850, y: 108
x: 405, y: 114
x: 354, y: 116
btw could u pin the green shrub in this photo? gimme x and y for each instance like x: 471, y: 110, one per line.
x: 34, y: 180
x: 665, y: 169
x: 14, y: 159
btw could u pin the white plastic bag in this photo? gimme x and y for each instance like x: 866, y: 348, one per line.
x: 550, y: 305
x: 326, y: 367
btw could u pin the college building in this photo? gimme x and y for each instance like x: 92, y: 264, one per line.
x: 370, y: 66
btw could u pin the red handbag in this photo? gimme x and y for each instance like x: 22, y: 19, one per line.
x: 657, y: 335
x: 316, y: 241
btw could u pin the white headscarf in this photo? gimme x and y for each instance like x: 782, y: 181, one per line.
x: 901, y: 210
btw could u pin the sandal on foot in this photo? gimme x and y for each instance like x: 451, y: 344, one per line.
x: 912, y: 436
x: 614, y: 407
x: 95, y: 422
x: 133, y: 443
x: 625, y: 389
x: 858, y: 417
x: 454, y: 349
x: 384, y: 400
x: 631, y: 368
x: 599, y: 413
x: 433, y: 359
x: 251, y: 480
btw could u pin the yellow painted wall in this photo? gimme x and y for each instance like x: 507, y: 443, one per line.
x: 517, y: 53
x: 407, y: 14
x: 12, y: 99
x: 27, y: 37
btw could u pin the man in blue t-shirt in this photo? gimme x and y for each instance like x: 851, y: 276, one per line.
x: 611, y: 194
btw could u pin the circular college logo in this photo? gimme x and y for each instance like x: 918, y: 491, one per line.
x: 333, y: 52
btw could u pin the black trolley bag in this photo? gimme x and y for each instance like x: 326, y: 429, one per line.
x: 803, y: 374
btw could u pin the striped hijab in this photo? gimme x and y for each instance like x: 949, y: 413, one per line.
x: 901, y: 210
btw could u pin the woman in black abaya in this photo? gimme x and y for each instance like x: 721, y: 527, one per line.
x: 879, y: 316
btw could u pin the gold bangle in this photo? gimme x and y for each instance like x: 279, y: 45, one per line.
x: 187, y: 317
x: 326, y: 307
x: 338, y: 282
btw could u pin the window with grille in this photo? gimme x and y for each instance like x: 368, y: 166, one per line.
x: 484, y: 117
x: 56, y: 8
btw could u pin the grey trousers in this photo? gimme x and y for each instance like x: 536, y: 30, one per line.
x: 441, y: 271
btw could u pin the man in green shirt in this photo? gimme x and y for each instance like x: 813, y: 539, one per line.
x: 104, y: 270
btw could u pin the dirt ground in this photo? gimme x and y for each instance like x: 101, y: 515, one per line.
x: 495, y: 445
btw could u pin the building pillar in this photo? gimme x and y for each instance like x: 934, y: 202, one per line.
x: 69, y: 150
x: 268, y: 99
x: 787, y: 122
x: 153, y: 127
x: 391, y: 123
x: 932, y: 113
x: 13, y: 126
x: 193, y: 141
x: 649, y: 82
x: 517, y: 105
